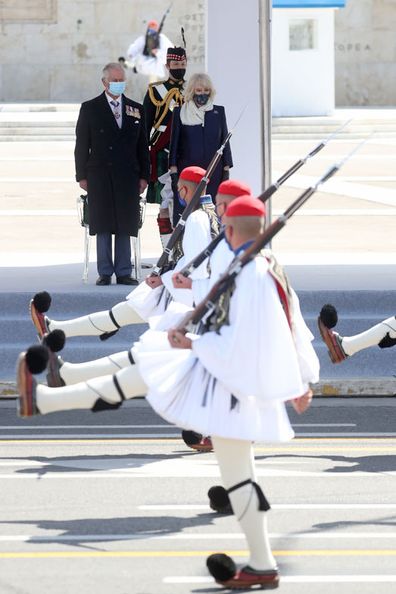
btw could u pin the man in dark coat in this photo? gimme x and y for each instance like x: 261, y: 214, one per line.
x: 113, y: 165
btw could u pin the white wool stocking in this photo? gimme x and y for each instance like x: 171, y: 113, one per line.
x: 72, y: 373
x: 99, y: 322
x: 85, y: 394
x: 371, y: 337
x: 236, y: 462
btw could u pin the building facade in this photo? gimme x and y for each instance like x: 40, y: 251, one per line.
x: 53, y: 50
x: 365, y: 53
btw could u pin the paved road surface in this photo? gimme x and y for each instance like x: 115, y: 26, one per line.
x: 115, y: 503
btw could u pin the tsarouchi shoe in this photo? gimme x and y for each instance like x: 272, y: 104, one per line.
x: 26, y: 385
x: 197, y: 442
x: 225, y: 572
x: 54, y: 379
x: 333, y: 342
x: 55, y: 341
x: 39, y: 320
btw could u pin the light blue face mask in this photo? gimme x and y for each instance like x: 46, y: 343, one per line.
x: 117, y: 88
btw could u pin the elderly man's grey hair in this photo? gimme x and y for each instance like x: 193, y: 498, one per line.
x: 112, y: 66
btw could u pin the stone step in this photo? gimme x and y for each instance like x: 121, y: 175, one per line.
x: 320, y: 136
x: 357, y: 311
x: 37, y: 138
x: 57, y: 122
x: 34, y: 130
x: 10, y: 108
x: 27, y: 124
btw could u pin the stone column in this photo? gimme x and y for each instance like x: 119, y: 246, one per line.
x: 233, y: 62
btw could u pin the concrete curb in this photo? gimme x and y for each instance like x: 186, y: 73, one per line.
x: 375, y: 387
x: 7, y: 390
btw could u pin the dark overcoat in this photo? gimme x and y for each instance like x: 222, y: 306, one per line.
x: 196, y: 145
x: 112, y: 160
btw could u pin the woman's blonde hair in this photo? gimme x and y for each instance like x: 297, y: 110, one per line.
x: 199, y: 79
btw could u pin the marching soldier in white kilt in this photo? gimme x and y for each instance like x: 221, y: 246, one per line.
x: 231, y: 382
x: 154, y: 294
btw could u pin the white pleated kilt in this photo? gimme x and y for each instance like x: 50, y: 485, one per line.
x: 147, y: 301
x: 182, y: 391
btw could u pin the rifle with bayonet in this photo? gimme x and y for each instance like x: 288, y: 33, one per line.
x: 208, y: 304
x: 189, y: 268
x: 153, y: 41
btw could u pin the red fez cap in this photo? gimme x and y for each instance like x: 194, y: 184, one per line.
x: 245, y: 206
x: 193, y: 174
x: 153, y: 25
x: 232, y: 187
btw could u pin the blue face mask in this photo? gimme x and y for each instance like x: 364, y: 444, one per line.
x: 117, y: 88
x: 182, y: 202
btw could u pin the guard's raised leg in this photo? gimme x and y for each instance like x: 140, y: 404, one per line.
x: 101, y: 323
x: 341, y: 347
x: 100, y: 393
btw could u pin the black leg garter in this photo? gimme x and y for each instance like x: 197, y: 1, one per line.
x: 263, y: 502
x: 107, y: 335
x: 101, y: 405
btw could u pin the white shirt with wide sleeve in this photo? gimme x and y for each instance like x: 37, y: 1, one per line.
x: 218, y: 262
x: 233, y: 383
x: 148, y: 302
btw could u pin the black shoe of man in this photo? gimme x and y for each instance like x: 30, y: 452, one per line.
x: 103, y: 280
x: 126, y: 280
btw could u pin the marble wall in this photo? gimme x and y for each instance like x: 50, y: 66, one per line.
x: 365, y: 53
x: 54, y: 50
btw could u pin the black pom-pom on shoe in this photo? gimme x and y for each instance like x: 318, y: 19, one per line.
x: 55, y: 340
x: 221, y: 566
x: 37, y: 358
x: 219, y: 500
x: 42, y: 301
x: 328, y: 315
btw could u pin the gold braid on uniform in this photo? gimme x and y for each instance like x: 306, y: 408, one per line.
x: 173, y: 94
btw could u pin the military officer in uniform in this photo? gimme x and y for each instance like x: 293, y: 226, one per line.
x: 160, y: 100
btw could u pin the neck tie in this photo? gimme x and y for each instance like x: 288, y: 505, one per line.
x: 116, y: 111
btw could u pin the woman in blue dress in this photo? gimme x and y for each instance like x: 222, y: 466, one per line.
x: 198, y: 129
